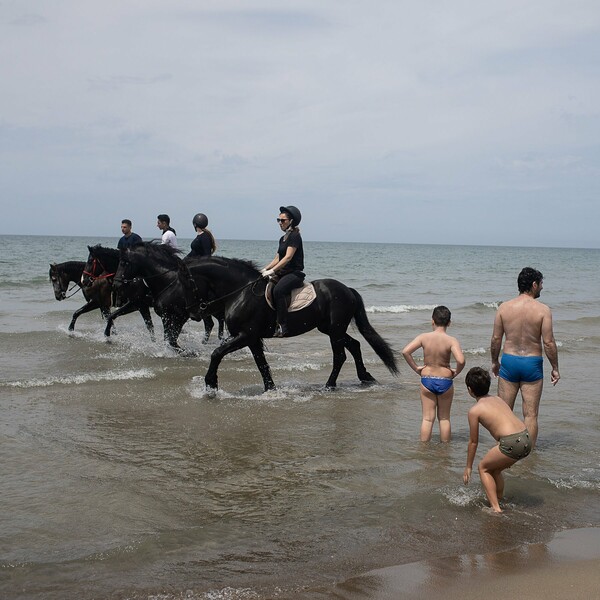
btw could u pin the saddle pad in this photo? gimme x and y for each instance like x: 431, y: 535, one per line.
x: 301, y: 297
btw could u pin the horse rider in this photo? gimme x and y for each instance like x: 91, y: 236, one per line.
x: 129, y: 238
x: 287, y: 266
x: 169, y: 235
x: 204, y: 243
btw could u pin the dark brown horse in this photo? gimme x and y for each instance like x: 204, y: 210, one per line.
x: 97, y: 296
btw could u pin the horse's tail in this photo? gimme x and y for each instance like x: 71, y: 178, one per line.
x: 381, y: 347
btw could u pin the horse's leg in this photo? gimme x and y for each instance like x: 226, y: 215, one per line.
x: 339, y: 358
x: 258, y: 352
x: 145, y: 312
x: 231, y: 345
x: 353, y: 347
x: 208, y: 327
x: 91, y: 305
x: 172, y: 325
x: 221, y: 322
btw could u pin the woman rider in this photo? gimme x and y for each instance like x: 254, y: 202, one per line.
x: 287, y: 266
x: 204, y: 243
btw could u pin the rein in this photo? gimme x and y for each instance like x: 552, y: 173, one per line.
x: 205, y: 306
x: 75, y: 287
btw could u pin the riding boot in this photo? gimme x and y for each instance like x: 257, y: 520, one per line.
x: 281, y: 331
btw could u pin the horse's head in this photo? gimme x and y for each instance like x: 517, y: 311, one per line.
x: 60, y: 281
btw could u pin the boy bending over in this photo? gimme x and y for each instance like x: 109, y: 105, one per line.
x: 512, y: 435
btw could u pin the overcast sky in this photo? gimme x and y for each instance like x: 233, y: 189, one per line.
x: 459, y: 122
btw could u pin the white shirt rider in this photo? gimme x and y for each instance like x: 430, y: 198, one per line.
x: 169, y: 238
x: 168, y: 235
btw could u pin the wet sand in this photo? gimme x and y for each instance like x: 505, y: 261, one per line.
x: 567, y: 567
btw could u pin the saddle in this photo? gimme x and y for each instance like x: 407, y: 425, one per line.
x: 300, y: 297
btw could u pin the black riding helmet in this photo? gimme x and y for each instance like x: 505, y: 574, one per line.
x: 293, y: 213
x: 200, y: 220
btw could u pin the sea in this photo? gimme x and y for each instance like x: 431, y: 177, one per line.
x: 123, y: 478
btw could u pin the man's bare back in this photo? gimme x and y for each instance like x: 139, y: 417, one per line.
x: 522, y: 322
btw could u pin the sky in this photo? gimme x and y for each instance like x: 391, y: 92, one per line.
x: 396, y: 121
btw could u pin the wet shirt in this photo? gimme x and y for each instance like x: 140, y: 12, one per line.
x: 291, y: 239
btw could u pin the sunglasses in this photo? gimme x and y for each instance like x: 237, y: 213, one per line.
x: 282, y: 220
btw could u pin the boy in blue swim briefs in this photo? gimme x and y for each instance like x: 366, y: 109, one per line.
x: 526, y: 326
x: 514, y: 442
x: 437, y: 375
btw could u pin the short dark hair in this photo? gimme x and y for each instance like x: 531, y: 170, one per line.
x: 527, y: 277
x: 126, y: 222
x: 479, y: 380
x: 164, y: 218
x: 441, y: 316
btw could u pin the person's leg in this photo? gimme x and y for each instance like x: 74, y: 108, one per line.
x: 444, y: 403
x: 428, y: 404
x: 281, y: 295
x: 531, y: 394
x: 508, y: 390
x: 490, y: 473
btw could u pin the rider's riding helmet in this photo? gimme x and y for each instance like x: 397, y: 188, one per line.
x: 200, y: 220
x: 293, y: 213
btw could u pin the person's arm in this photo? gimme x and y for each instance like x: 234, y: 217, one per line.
x: 496, y: 343
x: 473, y: 442
x: 276, y: 264
x: 459, y: 357
x: 271, y: 264
x: 550, y: 346
x: 408, y: 351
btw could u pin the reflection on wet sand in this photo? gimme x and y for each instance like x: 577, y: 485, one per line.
x: 566, y: 567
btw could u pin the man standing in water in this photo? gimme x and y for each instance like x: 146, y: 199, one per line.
x: 525, y: 324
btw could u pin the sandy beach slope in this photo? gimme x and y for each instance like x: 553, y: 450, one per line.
x: 567, y: 567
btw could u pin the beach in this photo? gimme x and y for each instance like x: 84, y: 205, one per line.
x: 567, y: 567
x: 124, y: 478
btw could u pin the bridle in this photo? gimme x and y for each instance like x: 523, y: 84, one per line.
x: 104, y: 274
x: 59, y: 275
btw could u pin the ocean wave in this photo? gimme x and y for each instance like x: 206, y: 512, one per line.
x: 81, y: 378
x: 486, y: 305
x: 574, y: 482
x: 476, y: 351
x: 400, y: 308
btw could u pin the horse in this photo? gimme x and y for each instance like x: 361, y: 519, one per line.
x: 173, y: 314
x: 101, y: 266
x: 96, y: 295
x: 238, y: 290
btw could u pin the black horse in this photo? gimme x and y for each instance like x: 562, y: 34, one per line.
x: 96, y: 295
x: 238, y: 290
x: 174, y: 313
x: 101, y: 266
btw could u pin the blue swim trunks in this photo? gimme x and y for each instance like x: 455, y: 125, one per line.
x: 437, y: 385
x: 521, y: 368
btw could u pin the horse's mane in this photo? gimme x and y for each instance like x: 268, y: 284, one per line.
x: 161, y: 253
x: 243, y: 265
x: 70, y: 267
x: 100, y: 251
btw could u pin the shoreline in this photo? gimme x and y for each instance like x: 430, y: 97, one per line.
x: 566, y: 567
